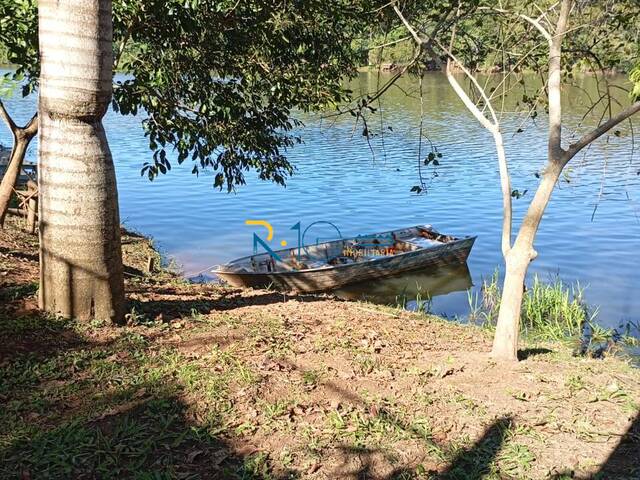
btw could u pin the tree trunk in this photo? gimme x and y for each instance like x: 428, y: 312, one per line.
x: 11, y: 175
x: 505, y: 341
x: 517, y: 260
x: 80, y: 251
x: 21, y: 139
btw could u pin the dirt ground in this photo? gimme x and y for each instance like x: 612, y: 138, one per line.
x: 212, y: 382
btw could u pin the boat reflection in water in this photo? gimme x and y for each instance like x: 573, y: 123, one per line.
x: 406, y: 288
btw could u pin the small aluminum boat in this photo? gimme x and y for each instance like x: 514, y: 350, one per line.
x: 329, y: 265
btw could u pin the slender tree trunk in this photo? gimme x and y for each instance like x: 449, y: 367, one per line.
x: 505, y: 340
x: 518, y: 257
x: 11, y: 175
x: 21, y: 139
x: 80, y: 250
x: 517, y: 260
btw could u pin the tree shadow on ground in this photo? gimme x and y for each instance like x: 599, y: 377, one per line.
x: 185, y: 305
x: 622, y: 464
x: 469, y: 464
x: 624, y: 461
x: 149, y: 430
x: 150, y: 438
x: 526, y: 353
x: 37, y: 335
x: 476, y: 461
x: 133, y: 271
x: 66, y: 412
x: 32, y: 257
x: 131, y: 427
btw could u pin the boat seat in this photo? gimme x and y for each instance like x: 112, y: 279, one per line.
x: 422, y: 242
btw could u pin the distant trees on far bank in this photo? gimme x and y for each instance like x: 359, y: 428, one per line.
x: 388, y: 43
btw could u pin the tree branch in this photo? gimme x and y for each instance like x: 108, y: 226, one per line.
x: 123, y: 44
x: 391, y: 82
x: 7, y: 119
x: 555, y: 106
x: 493, y: 127
x: 403, y: 39
x: 421, y: 43
x: 408, y: 26
x: 475, y: 82
x: 31, y: 128
x: 454, y: 83
x: 533, y: 21
x: 574, y: 148
x: 536, y: 23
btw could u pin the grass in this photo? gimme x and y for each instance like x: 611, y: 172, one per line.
x: 118, y: 389
x: 554, y: 311
x: 421, y: 303
x: 551, y: 311
x: 132, y: 405
x: 515, y: 459
x: 311, y: 378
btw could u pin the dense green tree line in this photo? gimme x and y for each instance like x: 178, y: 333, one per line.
x: 617, y: 50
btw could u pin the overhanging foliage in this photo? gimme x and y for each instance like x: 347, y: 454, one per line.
x: 217, y: 80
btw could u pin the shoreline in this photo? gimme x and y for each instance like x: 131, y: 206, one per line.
x: 391, y: 68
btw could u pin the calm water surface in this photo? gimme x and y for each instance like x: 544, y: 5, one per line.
x: 339, y: 180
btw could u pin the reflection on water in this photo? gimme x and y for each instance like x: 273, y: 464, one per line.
x: 340, y: 181
x: 404, y: 289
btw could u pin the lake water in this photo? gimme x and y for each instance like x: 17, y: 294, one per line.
x: 339, y: 180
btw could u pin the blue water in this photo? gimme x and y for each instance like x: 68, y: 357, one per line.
x: 338, y: 179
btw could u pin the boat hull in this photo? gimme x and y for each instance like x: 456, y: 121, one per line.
x: 319, y: 280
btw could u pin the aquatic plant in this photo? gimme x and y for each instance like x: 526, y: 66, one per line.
x: 420, y: 304
x: 555, y: 310
x: 423, y: 304
x: 550, y: 311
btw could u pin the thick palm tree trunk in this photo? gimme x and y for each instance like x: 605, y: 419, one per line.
x: 80, y: 251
